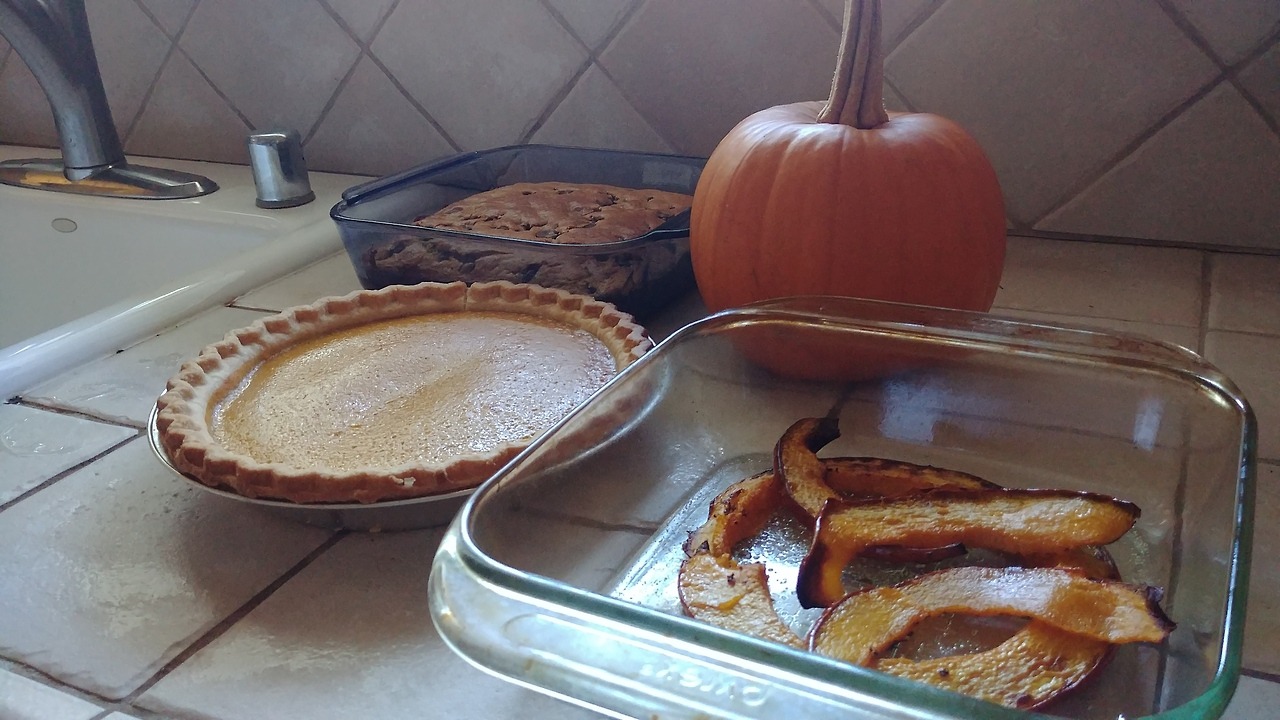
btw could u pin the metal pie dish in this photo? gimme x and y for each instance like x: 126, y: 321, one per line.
x: 388, y: 516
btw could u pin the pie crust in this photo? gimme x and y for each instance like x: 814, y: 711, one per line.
x: 209, y: 434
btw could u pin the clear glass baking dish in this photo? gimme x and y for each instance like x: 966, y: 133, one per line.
x: 559, y: 573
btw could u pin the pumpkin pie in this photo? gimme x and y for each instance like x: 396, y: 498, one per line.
x: 402, y: 392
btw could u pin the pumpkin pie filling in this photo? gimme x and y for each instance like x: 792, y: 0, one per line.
x: 366, y: 398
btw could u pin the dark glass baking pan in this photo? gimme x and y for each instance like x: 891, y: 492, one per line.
x: 638, y: 274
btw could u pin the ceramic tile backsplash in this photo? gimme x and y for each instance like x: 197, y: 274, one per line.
x: 693, y: 70
x: 1261, y: 79
x: 102, y: 604
x: 1232, y: 28
x: 1048, y: 71
x: 131, y: 49
x: 372, y: 127
x: 287, y: 63
x: 1076, y: 101
x: 171, y: 15
x: 592, y: 20
x: 363, y: 17
x: 485, y: 69
x: 1225, y: 180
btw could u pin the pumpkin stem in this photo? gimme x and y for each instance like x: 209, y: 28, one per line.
x: 857, y: 90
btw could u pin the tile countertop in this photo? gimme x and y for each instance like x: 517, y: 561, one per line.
x: 126, y: 594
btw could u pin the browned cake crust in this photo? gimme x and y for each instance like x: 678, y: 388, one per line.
x: 560, y: 212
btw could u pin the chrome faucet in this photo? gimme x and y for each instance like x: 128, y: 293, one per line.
x: 52, y: 37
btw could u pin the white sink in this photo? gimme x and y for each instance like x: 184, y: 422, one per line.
x: 82, y: 276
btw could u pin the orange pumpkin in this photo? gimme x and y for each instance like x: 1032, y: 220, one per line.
x: 843, y: 198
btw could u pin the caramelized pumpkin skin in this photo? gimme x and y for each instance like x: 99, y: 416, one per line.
x: 1036, y: 665
x: 1075, y: 621
x: 865, y: 624
x: 1006, y: 520
x: 1064, y: 582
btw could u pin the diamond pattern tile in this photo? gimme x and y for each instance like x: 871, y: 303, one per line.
x: 184, y: 105
x: 595, y: 114
x: 1232, y: 27
x: 1052, y: 91
x: 289, y: 58
x: 171, y: 14
x: 106, y: 603
x: 373, y: 128
x: 26, y: 118
x: 1209, y: 177
x: 694, y: 69
x: 362, y: 16
x: 1261, y: 79
x: 130, y: 50
x: 592, y: 20
x: 485, y: 69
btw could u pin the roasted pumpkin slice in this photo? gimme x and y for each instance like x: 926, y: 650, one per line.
x: 1036, y: 665
x: 720, y: 592
x: 736, y: 514
x: 1005, y: 520
x: 866, y: 623
x: 856, y: 478
x: 796, y: 462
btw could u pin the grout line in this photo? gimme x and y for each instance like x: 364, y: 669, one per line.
x: 1126, y: 151
x: 76, y: 413
x: 1191, y: 32
x: 914, y: 24
x: 69, y: 471
x: 253, y: 308
x: 164, y: 64
x: 556, y: 101
x: 1141, y: 242
x: 832, y: 20
x: 227, y: 622
x: 1260, y: 675
x: 366, y: 51
x: 609, y: 39
x: 362, y: 52
x: 422, y: 110
x: 1207, y: 263
x: 33, y: 674
x: 593, y: 56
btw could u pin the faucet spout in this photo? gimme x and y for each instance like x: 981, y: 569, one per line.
x: 52, y: 37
